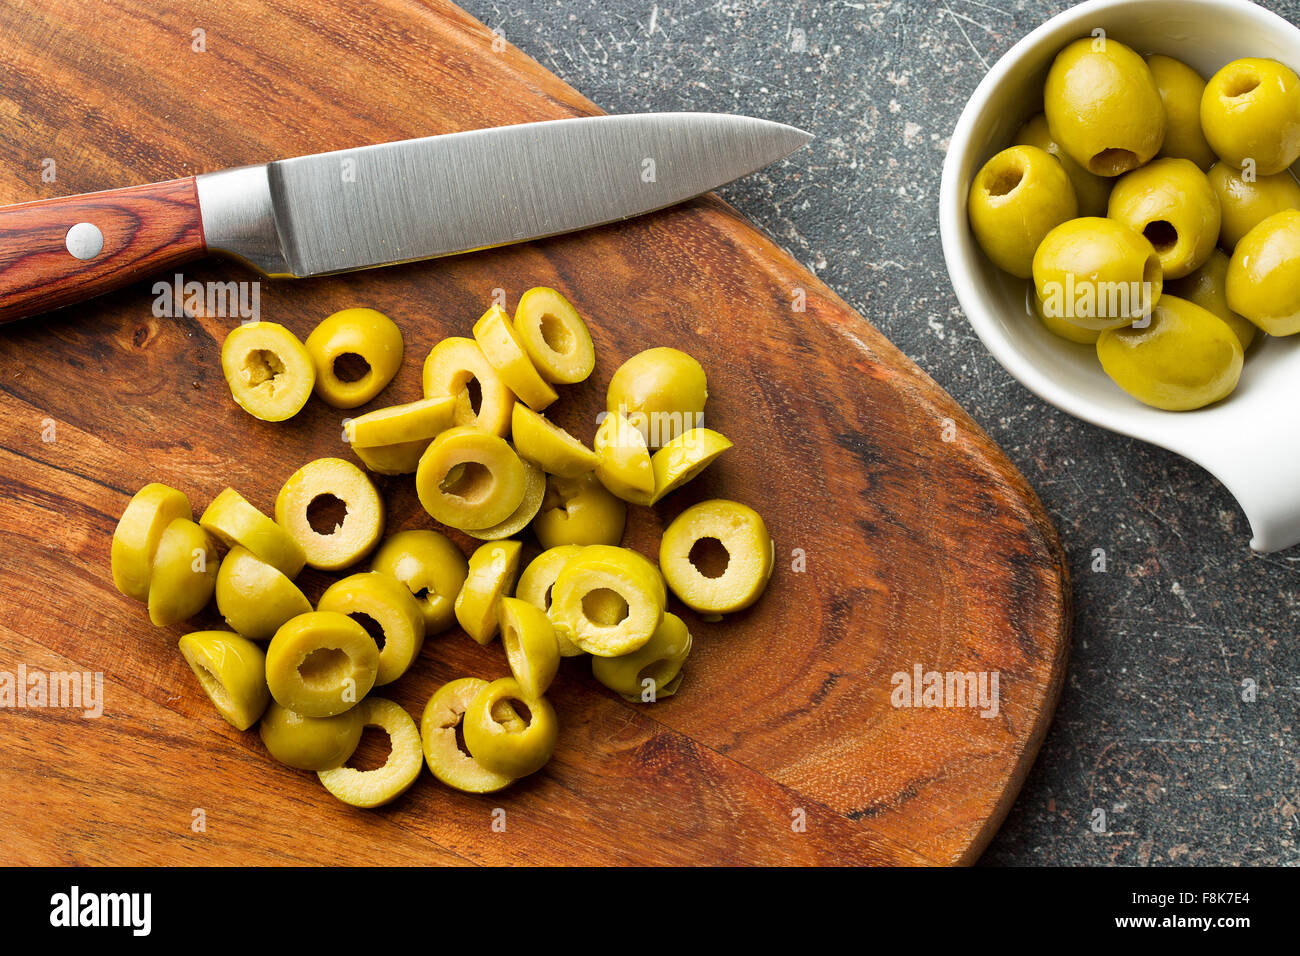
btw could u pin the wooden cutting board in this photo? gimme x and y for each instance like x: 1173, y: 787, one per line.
x: 904, y: 536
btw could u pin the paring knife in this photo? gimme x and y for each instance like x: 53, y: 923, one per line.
x: 379, y: 205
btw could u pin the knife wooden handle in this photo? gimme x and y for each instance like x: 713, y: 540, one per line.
x: 48, y: 249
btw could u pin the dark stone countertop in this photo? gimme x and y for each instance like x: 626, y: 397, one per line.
x: 1152, y: 728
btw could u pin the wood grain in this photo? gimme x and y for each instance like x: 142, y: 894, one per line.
x: 904, y: 536
x: 145, y: 229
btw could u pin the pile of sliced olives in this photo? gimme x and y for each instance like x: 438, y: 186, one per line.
x: 1154, y: 213
x: 488, y: 463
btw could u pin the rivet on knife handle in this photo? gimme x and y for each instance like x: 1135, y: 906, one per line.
x: 54, y: 252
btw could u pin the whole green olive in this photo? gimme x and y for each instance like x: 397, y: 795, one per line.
x: 1250, y: 113
x: 1181, y: 89
x: 1017, y: 198
x: 1184, y: 358
x: 1090, y: 190
x: 1246, y: 203
x: 1263, y: 279
x: 1103, y: 106
x: 1171, y: 203
x: 1097, y: 273
x: 661, y: 391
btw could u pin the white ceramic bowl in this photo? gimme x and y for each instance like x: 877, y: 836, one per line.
x: 1251, y: 440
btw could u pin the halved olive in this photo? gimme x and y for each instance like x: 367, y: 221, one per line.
x: 538, y: 579
x: 579, y: 511
x: 270, y: 372
x: 184, y: 573
x: 356, y: 353
x: 530, y: 644
x: 374, y: 788
x: 232, y: 671
x: 254, y: 597
x: 685, y: 457
x: 505, y: 353
x: 310, y: 743
x: 433, y: 570
x: 555, y: 450
x: 325, y: 492
x: 438, y: 729
x: 469, y: 478
x: 554, y: 336
x: 236, y: 523
x: 421, y: 419
x: 492, y: 571
x: 651, y: 672
x: 387, y: 604
x: 506, y: 748
x: 135, y: 539
x: 321, y: 663
x: 454, y: 366
x: 717, y: 556
x: 623, y: 460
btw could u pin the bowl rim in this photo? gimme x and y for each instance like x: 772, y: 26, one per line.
x: 953, y: 221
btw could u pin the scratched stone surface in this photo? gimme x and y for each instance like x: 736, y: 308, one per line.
x: 1153, y: 730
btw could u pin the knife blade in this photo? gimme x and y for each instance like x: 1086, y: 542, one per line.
x: 380, y: 205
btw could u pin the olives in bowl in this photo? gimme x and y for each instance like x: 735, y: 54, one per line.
x: 1250, y: 439
x: 1138, y: 173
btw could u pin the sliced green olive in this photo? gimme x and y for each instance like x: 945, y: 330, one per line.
x: 438, y: 729
x: 537, y: 580
x: 254, y: 597
x: 270, y: 373
x: 534, y: 493
x: 323, y: 483
x: 356, y: 353
x: 402, y: 458
x: 579, y: 511
x: 184, y: 573
x: 232, y: 671
x: 608, y: 601
x: 539, y: 440
x: 554, y: 336
x: 135, y: 540
x: 650, y: 672
x: 321, y: 663
x: 492, y: 571
x: 448, y: 371
x: 685, y: 457
x: 623, y: 464
x: 497, y: 338
x: 433, y: 570
x: 374, y: 788
x: 391, y: 607
x: 396, y: 424
x: 531, y: 647
x: 505, y: 748
x: 470, y: 479
x: 717, y: 556
x: 310, y: 743
x: 236, y: 523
